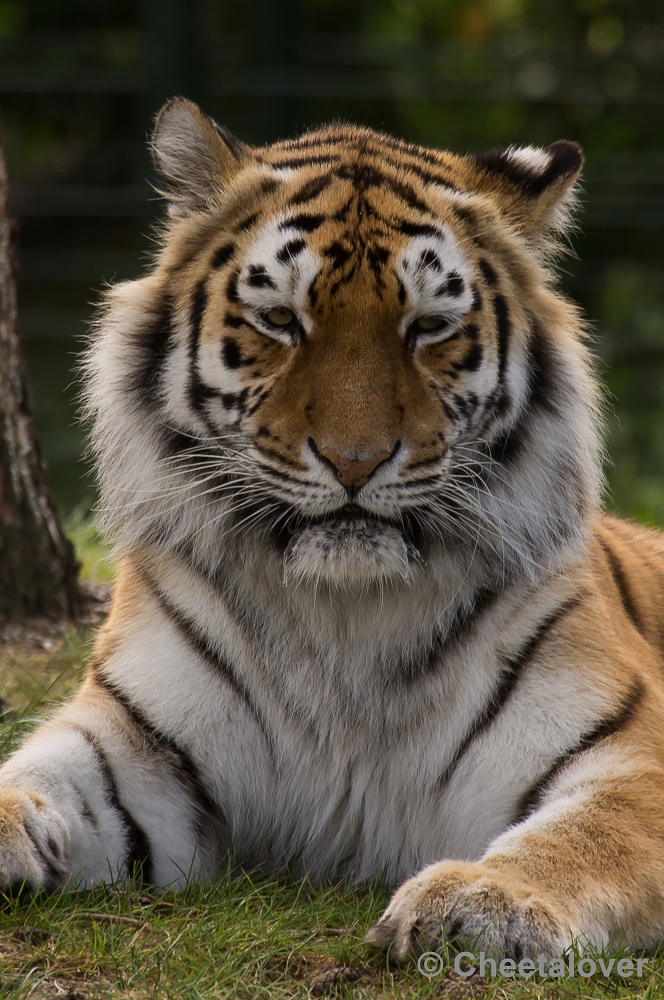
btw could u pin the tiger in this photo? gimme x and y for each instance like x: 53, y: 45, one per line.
x: 370, y: 620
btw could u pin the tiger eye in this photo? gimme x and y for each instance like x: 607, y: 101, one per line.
x: 428, y: 323
x: 280, y: 316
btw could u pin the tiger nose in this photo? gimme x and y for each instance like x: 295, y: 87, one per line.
x: 352, y: 473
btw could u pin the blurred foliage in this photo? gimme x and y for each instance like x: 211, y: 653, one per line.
x: 93, y: 552
x: 79, y: 83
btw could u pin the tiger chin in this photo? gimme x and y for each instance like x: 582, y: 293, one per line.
x: 369, y: 617
x: 349, y: 549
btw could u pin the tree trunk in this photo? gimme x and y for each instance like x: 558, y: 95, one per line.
x: 38, y: 571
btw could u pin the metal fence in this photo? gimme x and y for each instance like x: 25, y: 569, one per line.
x: 77, y: 102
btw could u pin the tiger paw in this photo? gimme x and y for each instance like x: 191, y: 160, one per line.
x: 33, y: 842
x: 485, y: 909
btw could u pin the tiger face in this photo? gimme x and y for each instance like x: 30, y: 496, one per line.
x: 340, y: 344
x: 360, y: 332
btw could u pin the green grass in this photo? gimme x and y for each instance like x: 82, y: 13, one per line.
x: 247, y: 936
x: 92, y: 551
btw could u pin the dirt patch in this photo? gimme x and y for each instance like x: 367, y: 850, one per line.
x: 43, y: 660
x: 328, y: 980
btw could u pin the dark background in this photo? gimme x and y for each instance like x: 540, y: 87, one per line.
x: 81, y: 80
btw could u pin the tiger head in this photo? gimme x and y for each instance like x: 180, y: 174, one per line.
x: 351, y: 348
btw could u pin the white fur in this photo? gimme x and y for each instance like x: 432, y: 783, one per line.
x: 292, y: 277
x: 421, y: 282
x: 534, y: 159
x: 347, y: 555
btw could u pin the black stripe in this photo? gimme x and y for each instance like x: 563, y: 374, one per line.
x: 174, y: 442
x: 509, y: 445
x: 259, y: 278
x: 341, y: 214
x: 465, y: 214
x: 414, y: 154
x: 364, y: 176
x: 466, y: 403
x: 377, y: 258
x: 234, y: 321
x: 153, y: 346
x: 649, y: 566
x: 311, y: 189
x: 472, y: 361
x: 338, y: 254
x: 417, y: 229
x: 418, y: 153
x: 218, y: 580
x: 304, y: 222
x: 222, y: 256
x: 232, y: 354
x: 197, y: 392
x: 54, y: 873
x: 488, y: 272
x: 609, y: 726
x: 231, y: 287
x: 498, y: 402
x: 179, y: 759
x: 235, y: 400
x: 423, y: 463
x: 428, y: 258
x: 502, y: 314
x: 312, y: 140
x: 246, y: 223
x: 281, y: 458
x: 304, y: 161
x: 455, y: 285
x: 622, y: 586
x: 194, y: 636
x: 406, y: 192
x: 267, y: 186
x: 235, y: 145
x: 86, y: 811
x: 546, y: 384
x: 513, y: 669
x: 546, y: 380
x: 346, y: 278
x: 290, y: 250
x: 139, y: 854
x: 258, y: 401
x: 425, y: 176
x: 465, y: 618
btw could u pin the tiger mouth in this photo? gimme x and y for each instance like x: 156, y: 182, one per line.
x: 345, y: 521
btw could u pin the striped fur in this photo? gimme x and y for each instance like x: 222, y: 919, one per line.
x: 368, y: 615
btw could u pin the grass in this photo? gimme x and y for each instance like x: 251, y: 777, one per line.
x: 247, y: 936
x: 92, y: 551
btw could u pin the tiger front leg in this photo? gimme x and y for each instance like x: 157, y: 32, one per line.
x: 59, y: 822
x: 586, y: 869
x: 87, y: 800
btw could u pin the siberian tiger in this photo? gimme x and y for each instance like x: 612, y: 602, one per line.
x: 369, y: 619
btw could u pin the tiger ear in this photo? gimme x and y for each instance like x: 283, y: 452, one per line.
x: 193, y: 154
x: 536, y: 186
